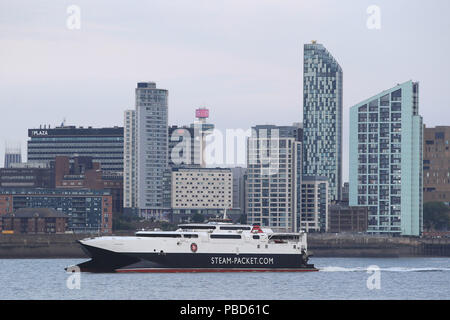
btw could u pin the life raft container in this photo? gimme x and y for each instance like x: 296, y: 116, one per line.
x: 256, y: 229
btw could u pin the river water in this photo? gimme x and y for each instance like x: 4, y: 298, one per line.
x: 338, y: 278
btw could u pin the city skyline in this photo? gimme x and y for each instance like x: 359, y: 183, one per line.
x: 210, y: 142
x: 211, y: 70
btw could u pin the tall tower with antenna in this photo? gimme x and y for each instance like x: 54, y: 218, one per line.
x: 202, y: 129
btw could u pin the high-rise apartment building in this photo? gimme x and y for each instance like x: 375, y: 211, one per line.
x: 314, y: 204
x: 151, y: 143
x: 274, y: 177
x: 436, y: 164
x: 184, y: 147
x: 386, y: 160
x: 322, y: 117
x: 239, y: 188
x: 345, y: 190
x: 129, y: 160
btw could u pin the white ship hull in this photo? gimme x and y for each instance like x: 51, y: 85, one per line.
x: 194, y: 250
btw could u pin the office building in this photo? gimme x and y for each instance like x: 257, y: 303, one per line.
x: 196, y: 190
x: 386, y: 139
x: 184, y: 147
x: 12, y: 155
x: 314, y: 204
x: 274, y: 177
x: 104, y: 145
x: 436, y: 164
x: 322, y: 117
x: 27, y: 178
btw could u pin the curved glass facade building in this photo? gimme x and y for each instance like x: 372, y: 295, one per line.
x: 322, y: 117
x: 386, y: 160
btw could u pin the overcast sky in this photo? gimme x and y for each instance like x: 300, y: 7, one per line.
x: 243, y: 59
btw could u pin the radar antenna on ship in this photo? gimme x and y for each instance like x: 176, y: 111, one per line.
x: 223, y: 219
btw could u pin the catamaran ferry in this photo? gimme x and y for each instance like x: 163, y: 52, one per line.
x: 199, y: 247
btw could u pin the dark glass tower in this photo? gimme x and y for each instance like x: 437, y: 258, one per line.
x: 322, y: 117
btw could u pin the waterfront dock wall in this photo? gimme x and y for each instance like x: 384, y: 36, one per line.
x: 320, y: 245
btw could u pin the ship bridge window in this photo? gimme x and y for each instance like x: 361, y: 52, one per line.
x: 190, y: 235
x: 225, y: 236
x: 235, y: 228
x: 255, y: 237
x: 284, y: 237
x: 198, y: 227
x: 159, y: 235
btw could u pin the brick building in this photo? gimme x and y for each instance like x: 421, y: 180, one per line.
x: 5, y: 204
x: 34, y: 220
x: 436, y: 164
x: 343, y: 218
x: 86, y: 173
x: 27, y: 177
x: 89, y: 211
x: 78, y: 172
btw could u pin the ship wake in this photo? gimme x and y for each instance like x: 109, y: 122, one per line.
x: 388, y: 269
